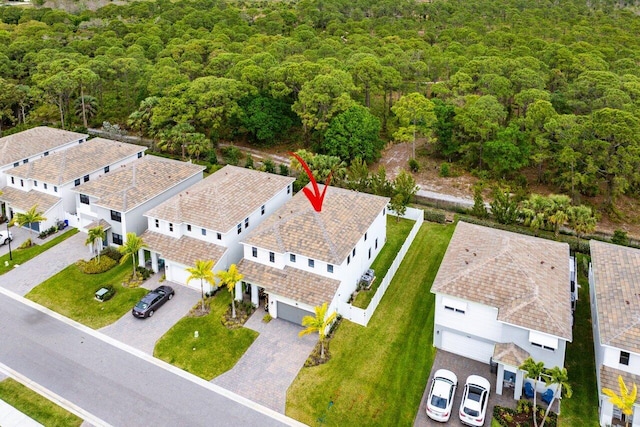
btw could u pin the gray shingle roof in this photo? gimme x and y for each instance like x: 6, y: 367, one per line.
x: 616, y: 273
x: 526, y: 278
x: 22, y: 145
x: 133, y: 184
x: 185, y: 250
x: 25, y: 200
x: 75, y: 162
x: 298, y: 285
x: 328, y: 235
x: 222, y: 200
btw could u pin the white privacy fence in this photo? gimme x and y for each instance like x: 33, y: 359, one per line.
x: 362, y: 316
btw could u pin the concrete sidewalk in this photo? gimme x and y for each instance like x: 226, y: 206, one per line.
x: 22, y: 279
x: 11, y: 417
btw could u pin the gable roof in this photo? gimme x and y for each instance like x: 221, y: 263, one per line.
x: 133, y: 184
x: 22, y: 145
x: 526, y: 278
x: 75, y: 162
x: 25, y: 200
x: 223, y: 199
x: 328, y: 235
x: 616, y: 274
x: 185, y: 250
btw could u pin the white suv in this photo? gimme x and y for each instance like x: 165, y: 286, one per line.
x: 5, y: 237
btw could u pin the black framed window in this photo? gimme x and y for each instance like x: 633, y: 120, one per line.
x: 254, y: 252
x: 106, y: 169
x: 84, y: 199
x: 312, y: 263
x: 116, y: 216
x: 117, y: 239
x: 76, y: 182
x: 272, y: 257
x: 329, y: 268
x: 292, y: 257
x: 624, y: 358
x: 86, y: 178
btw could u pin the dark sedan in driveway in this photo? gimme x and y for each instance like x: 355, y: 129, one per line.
x: 153, y: 301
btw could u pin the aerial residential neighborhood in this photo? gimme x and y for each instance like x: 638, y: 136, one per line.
x: 319, y: 212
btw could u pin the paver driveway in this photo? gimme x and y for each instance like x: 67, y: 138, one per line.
x: 462, y: 367
x: 143, y: 333
x: 267, y: 369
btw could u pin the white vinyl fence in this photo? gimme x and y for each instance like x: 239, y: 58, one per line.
x: 362, y: 316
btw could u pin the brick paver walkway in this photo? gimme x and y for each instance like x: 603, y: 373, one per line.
x: 269, y: 366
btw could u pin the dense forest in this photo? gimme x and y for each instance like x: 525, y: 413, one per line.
x: 495, y: 86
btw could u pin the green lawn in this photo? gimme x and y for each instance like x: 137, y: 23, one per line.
x: 377, y: 374
x: 71, y: 293
x: 37, y: 407
x: 397, y: 232
x: 20, y: 256
x: 215, y: 351
x: 582, y: 408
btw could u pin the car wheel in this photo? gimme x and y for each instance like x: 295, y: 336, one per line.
x: 170, y: 296
x: 151, y: 313
x: 6, y: 241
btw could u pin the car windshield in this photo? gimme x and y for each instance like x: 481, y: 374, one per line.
x: 142, y: 305
x: 438, y: 402
x: 471, y: 412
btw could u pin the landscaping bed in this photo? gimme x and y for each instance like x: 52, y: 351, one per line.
x: 214, y: 350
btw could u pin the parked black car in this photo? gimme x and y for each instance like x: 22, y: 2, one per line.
x: 152, y: 301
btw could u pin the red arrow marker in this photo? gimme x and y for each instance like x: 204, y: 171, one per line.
x: 316, y: 198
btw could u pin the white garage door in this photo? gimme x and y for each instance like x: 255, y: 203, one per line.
x: 467, y: 347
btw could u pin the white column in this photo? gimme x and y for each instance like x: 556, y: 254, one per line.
x: 500, y: 379
x: 154, y: 261
x: 238, y: 291
x: 255, y: 296
x: 517, y: 393
x: 141, y: 257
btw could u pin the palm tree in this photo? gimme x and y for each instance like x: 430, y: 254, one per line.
x: 95, y: 234
x: 318, y: 324
x: 130, y: 249
x: 557, y: 376
x: 533, y: 370
x: 229, y: 279
x: 624, y: 400
x: 582, y: 220
x: 29, y: 217
x: 86, y: 107
x: 202, y: 271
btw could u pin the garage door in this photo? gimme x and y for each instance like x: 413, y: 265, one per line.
x: 467, y: 347
x: 291, y: 313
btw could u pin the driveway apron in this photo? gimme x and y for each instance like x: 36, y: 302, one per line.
x: 143, y: 333
x: 269, y: 366
x: 35, y: 271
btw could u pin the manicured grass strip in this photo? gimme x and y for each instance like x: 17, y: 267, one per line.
x: 20, y: 256
x: 71, y: 293
x: 377, y: 374
x: 397, y: 232
x: 582, y: 408
x: 37, y: 407
x: 217, y: 348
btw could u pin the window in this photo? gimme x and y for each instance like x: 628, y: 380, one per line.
x: 84, y: 199
x: 272, y: 257
x: 365, y: 237
x: 116, y: 216
x: 188, y: 227
x: 106, y: 169
x: 292, y: 257
x: 86, y: 178
x: 203, y: 231
x: 25, y: 161
x: 624, y: 358
x: 35, y: 183
x: 262, y: 210
x: 369, y: 253
x: 46, y: 153
x: 544, y: 341
x: 376, y: 243
x: 354, y: 252
x: 55, y: 188
x: 384, y: 211
x: 157, y: 223
x: 239, y: 228
x: 254, y: 252
x: 22, y: 183
x: 348, y: 259
x: 45, y: 185
x: 246, y: 222
x: 171, y: 226
x: 76, y: 182
x: 288, y: 189
x: 312, y: 263
x: 13, y: 181
x: 219, y: 236
x: 117, y: 239
x: 454, y: 305
x: 16, y: 164
x: 139, y: 154
x: 329, y: 268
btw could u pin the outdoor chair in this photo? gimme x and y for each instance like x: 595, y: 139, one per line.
x: 547, y: 396
x: 528, y: 390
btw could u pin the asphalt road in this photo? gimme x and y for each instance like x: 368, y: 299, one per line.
x: 115, y: 385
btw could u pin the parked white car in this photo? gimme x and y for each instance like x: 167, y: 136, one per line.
x: 5, y: 237
x: 475, y: 398
x: 443, y: 390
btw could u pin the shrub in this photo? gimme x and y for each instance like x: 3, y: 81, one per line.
x: 435, y: 216
x: 111, y: 292
x: 49, y: 231
x: 284, y: 169
x: 267, y: 318
x: 445, y: 170
x: 414, y: 166
x: 269, y: 166
x: 112, y: 253
x: 248, y: 163
x: 144, y: 272
x: 213, y: 157
x: 232, y: 155
x: 94, y: 267
x: 620, y: 238
x: 26, y: 244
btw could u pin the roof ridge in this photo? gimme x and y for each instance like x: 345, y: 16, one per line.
x: 624, y: 330
x: 327, y: 238
x: 63, y: 163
